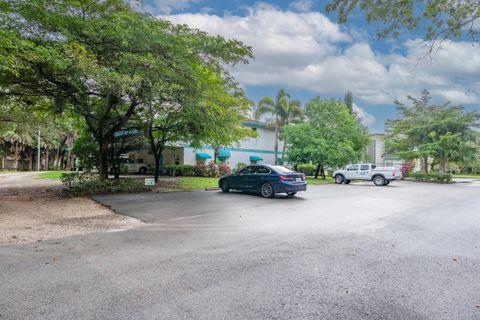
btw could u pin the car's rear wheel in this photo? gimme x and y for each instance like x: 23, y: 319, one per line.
x: 339, y: 179
x: 291, y: 194
x: 224, y: 186
x: 379, y: 181
x: 142, y: 170
x: 266, y: 190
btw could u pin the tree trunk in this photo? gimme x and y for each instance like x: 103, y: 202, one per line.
x: 56, y: 162
x: 276, y: 140
x: 68, y: 165
x: 159, y: 151
x: 322, y: 170
x: 284, y: 147
x: 215, y: 154
x: 4, y: 156
x: 30, y: 163
x: 16, y: 155
x: 103, y: 158
x: 317, y: 171
x: 47, y: 158
x: 425, y: 164
x: 443, y: 165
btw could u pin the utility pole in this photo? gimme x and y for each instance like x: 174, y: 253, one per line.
x: 38, y: 151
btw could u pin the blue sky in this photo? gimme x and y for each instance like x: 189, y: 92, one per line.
x: 297, y: 46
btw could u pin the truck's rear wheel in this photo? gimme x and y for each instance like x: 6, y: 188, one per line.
x: 339, y: 179
x: 379, y: 181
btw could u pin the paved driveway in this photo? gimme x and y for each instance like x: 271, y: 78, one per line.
x: 407, y: 251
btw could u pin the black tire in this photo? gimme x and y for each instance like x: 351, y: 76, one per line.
x: 379, y: 181
x: 388, y: 182
x: 142, y: 170
x: 224, y: 186
x: 291, y: 194
x: 348, y: 181
x: 266, y: 190
x: 339, y: 179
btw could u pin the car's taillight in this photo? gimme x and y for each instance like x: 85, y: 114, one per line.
x: 285, y: 178
x: 394, y: 173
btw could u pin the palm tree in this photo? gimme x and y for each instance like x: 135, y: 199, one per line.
x: 291, y: 112
x: 284, y: 111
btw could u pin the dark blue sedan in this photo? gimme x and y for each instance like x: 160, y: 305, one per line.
x: 265, y: 180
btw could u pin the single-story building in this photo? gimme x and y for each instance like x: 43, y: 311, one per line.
x: 252, y: 150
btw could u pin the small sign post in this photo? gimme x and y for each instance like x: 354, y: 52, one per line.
x: 149, y: 181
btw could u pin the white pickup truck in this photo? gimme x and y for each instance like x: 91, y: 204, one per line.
x: 381, y: 176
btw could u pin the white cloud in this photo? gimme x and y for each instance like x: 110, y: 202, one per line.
x: 302, y: 5
x: 305, y: 50
x: 365, y: 118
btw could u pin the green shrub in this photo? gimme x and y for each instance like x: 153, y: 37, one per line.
x: 307, y: 169
x: 201, y: 170
x: 185, y: 170
x: 431, y: 177
x: 87, y: 183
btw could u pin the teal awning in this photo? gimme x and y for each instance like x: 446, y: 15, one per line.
x: 224, y: 153
x: 256, y: 158
x: 203, y: 156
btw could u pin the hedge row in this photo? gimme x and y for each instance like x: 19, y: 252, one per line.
x: 80, y: 183
x: 431, y: 177
x: 307, y: 169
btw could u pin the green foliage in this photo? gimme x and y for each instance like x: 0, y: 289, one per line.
x: 50, y: 175
x: 330, y: 137
x: 195, y: 183
x: 348, y: 100
x: 185, y: 170
x: 443, y: 133
x: 437, y: 20
x: 327, y: 180
x: 284, y: 111
x: 102, y: 60
x: 431, y: 177
x: 201, y: 170
x: 79, y: 184
x: 86, y: 149
x: 307, y: 169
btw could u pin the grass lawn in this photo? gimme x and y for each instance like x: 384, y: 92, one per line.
x: 312, y: 180
x: 7, y: 171
x: 192, y: 183
x: 466, y: 176
x: 50, y: 175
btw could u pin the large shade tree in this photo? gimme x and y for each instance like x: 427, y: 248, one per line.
x: 101, y: 59
x: 211, y: 115
x: 440, y: 132
x: 330, y: 136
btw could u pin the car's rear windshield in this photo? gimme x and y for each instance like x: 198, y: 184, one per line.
x: 281, y: 169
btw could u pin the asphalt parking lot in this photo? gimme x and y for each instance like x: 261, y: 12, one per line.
x: 406, y: 251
